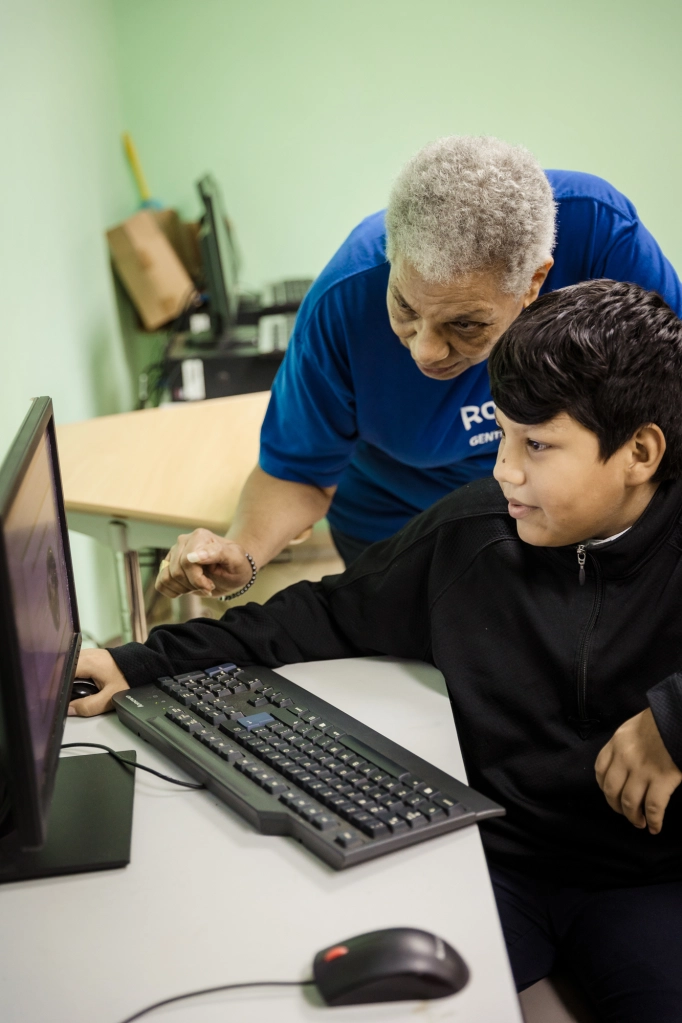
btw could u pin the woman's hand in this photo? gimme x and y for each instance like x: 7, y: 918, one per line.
x: 101, y: 667
x: 203, y: 563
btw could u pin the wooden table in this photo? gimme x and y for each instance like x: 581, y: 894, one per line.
x: 139, y: 478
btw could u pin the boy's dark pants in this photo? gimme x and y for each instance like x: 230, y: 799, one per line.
x: 621, y: 946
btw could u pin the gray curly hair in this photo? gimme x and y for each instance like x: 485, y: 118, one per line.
x: 468, y: 202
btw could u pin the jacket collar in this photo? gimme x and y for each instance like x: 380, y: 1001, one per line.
x: 629, y: 551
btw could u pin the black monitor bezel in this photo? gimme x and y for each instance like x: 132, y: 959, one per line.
x: 223, y: 296
x: 30, y: 806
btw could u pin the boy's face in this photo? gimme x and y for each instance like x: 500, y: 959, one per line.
x: 559, y: 490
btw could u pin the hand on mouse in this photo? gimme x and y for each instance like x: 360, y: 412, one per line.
x: 637, y: 774
x: 101, y: 667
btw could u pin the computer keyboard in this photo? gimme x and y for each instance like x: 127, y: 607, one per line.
x: 292, y: 764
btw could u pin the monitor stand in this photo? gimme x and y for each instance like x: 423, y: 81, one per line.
x: 89, y: 824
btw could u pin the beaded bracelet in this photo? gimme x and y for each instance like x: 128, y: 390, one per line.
x: 254, y: 573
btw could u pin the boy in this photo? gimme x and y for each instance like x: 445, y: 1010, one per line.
x: 551, y: 600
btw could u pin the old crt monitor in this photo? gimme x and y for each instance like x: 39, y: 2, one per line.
x: 46, y: 805
x: 219, y: 256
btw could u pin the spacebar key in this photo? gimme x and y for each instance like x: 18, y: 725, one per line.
x: 374, y: 756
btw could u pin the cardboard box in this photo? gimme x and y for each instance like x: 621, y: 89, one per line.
x: 150, y: 268
x: 184, y: 237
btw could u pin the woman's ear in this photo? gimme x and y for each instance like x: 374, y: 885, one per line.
x: 645, y: 451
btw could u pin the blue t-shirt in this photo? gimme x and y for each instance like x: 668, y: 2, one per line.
x: 350, y: 407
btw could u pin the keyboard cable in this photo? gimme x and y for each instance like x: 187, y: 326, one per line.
x: 135, y: 765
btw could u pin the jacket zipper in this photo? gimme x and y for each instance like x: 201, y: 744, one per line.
x: 584, y: 722
x: 581, y: 563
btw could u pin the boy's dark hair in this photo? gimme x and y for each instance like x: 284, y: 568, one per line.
x: 607, y: 353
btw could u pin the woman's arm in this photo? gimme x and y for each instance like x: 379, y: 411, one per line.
x: 271, y: 512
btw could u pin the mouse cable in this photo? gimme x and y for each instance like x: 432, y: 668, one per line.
x: 135, y: 766
x: 213, y: 990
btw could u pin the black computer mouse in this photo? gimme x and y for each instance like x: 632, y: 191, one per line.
x: 83, y: 687
x: 389, y: 966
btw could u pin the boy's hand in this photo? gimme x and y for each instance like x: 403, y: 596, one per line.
x: 637, y: 774
x: 101, y: 667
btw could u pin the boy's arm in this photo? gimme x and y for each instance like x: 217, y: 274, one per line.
x: 378, y: 606
x: 639, y: 768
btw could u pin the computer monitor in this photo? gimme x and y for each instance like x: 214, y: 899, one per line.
x: 39, y: 644
x: 219, y: 256
x: 39, y: 629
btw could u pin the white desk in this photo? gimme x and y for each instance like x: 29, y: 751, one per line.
x: 206, y: 900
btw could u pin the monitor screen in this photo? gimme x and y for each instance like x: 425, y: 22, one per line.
x: 43, y: 615
x: 39, y: 629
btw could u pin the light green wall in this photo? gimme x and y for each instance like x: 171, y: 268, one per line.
x: 62, y: 182
x: 306, y: 109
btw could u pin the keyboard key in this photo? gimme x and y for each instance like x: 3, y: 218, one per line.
x: 239, y: 687
x: 288, y: 797
x: 432, y: 812
x: 347, y: 839
x: 323, y: 822
x: 228, y: 752
x: 450, y: 806
x: 255, y: 685
x: 335, y: 749
x: 258, y: 701
x: 256, y: 721
x: 233, y: 729
x: 278, y: 728
x: 245, y: 764
x: 275, y: 786
x: 312, y: 787
x: 268, y: 691
x: 187, y: 699
x: 334, y: 733
x: 410, y: 781
x: 358, y: 817
x: 273, y: 758
x: 428, y: 791
x: 283, y: 701
x: 214, y: 717
x: 390, y: 802
x: 298, y: 711
x: 415, y: 819
x: 415, y: 801
x: 357, y: 762
x: 373, y: 828
x: 310, y: 813
x: 190, y: 676
x: 300, y: 803
x: 396, y: 825
x: 191, y: 725
x: 220, y: 669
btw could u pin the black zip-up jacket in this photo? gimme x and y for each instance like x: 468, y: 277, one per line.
x: 541, y: 670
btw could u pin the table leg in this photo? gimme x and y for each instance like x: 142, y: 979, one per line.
x: 130, y: 590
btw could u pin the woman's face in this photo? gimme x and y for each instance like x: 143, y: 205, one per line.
x: 450, y: 327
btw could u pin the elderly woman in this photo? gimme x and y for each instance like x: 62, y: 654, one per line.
x: 382, y: 404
